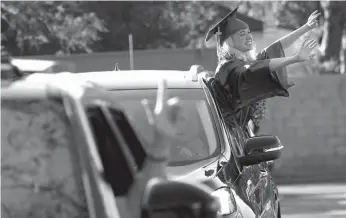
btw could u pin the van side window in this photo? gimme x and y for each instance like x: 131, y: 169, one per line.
x: 41, y: 175
x: 130, y: 136
x: 117, y: 169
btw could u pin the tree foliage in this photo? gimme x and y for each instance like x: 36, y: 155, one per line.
x: 141, y: 19
x: 154, y: 24
x: 334, y: 25
x: 49, y: 27
x: 72, y: 27
x: 294, y: 14
x: 193, y: 19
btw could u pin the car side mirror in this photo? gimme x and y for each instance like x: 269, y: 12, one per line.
x: 164, y: 198
x: 261, y: 149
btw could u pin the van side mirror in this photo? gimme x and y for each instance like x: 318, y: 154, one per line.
x: 177, y: 199
x: 261, y: 149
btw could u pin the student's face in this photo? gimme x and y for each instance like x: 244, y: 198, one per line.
x: 242, y: 40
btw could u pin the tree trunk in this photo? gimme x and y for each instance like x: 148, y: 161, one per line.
x: 343, y: 54
x: 334, y: 21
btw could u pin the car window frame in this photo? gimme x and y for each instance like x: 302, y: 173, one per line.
x: 101, y: 201
x: 234, y: 155
x: 215, y: 115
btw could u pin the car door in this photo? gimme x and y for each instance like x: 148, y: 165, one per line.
x: 269, y: 191
x: 115, y: 143
x: 253, y: 183
x: 256, y: 181
x: 99, y: 152
x: 43, y: 174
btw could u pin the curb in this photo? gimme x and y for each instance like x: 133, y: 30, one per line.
x: 312, y: 189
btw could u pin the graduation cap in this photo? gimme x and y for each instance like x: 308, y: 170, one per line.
x: 227, y: 26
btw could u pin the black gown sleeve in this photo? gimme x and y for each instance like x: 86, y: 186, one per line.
x: 275, y: 50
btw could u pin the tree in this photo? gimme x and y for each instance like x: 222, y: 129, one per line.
x: 39, y: 27
x: 156, y: 24
x: 55, y: 27
x: 334, y: 25
x: 144, y: 20
x: 193, y: 19
x: 293, y: 14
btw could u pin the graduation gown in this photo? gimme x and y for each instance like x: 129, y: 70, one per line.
x: 246, y: 83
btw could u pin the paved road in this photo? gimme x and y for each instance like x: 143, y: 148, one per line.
x: 313, y: 201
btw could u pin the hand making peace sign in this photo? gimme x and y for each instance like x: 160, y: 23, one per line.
x: 163, y: 120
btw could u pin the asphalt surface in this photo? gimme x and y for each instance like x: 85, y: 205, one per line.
x: 313, y: 201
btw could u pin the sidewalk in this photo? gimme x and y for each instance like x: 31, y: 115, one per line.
x: 313, y: 216
x: 312, y: 189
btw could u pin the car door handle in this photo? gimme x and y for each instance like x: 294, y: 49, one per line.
x: 223, y: 163
x: 209, y: 173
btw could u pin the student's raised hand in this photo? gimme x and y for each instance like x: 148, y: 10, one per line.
x: 163, y: 119
x: 305, y: 51
x: 313, y: 20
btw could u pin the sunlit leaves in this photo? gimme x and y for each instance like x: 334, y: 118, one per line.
x: 34, y: 23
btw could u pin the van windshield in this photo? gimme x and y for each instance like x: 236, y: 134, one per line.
x: 197, y: 133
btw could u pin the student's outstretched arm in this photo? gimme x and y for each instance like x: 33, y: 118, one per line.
x: 304, y: 54
x: 312, y: 23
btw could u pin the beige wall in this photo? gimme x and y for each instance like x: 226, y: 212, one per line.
x: 311, y: 124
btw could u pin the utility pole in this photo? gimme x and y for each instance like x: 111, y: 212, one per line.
x: 131, y: 52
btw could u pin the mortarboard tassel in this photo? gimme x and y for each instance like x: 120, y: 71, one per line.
x: 218, y: 40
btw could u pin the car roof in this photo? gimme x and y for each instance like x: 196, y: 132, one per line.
x: 35, y: 85
x: 141, y: 79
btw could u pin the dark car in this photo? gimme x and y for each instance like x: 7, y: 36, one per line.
x: 207, y: 151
